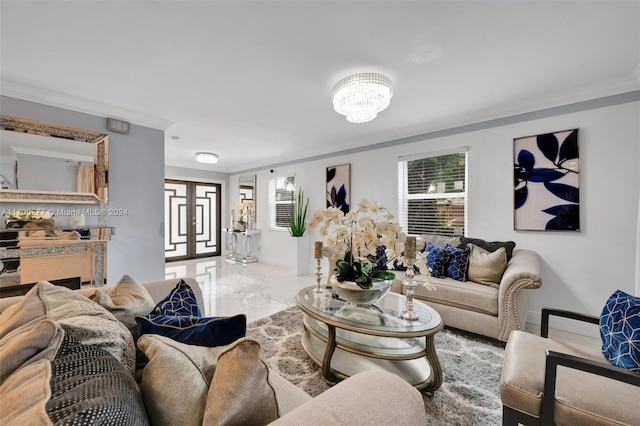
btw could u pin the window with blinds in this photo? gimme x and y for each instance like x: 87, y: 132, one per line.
x: 282, y: 201
x: 432, y: 190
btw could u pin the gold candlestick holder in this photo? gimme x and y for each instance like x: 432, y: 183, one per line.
x: 318, y: 274
x: 409, y: 284
x: 317, y: 253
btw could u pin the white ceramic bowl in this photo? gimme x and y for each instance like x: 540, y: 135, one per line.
x: 353, y: 293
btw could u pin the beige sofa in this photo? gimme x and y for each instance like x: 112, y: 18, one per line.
x: 360, y: 400
x: 482, y: 309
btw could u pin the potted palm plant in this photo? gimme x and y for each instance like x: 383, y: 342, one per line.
x: 298, y: 219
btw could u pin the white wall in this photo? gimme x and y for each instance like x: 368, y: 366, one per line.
x: 579, y: 269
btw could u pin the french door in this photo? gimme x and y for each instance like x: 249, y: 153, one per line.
x: 192, y: 219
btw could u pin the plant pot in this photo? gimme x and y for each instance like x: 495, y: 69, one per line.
x: 300, y: 259
x: 354, y: 294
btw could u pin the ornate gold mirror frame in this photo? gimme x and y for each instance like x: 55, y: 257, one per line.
x: 100, y: 158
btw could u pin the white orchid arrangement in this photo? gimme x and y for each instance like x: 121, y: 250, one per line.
x: 362, y: 242
x: 244, y: 209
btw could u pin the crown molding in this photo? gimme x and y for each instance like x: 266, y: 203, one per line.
x: 79, y: 104
x: 596, y: 91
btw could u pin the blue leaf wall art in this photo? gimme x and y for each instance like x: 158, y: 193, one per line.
x: 338, y: 187
x: 546, y: 176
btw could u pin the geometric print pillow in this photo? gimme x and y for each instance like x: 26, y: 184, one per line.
x: 190, y: 330
x: 458, y: 262
x: 437, y: 260
x: 620, y: 330
x: 180, y: 301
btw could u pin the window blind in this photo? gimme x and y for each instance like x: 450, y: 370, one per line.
x: 281, y: 200
x: 432, y: 192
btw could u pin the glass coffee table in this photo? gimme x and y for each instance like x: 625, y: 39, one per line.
x: 345, y: 339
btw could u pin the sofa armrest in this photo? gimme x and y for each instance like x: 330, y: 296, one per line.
x: 522, y: 272
x: 363, y: 400
x: 523, y: 266
x: 554, y: 359
x: 547, y: 312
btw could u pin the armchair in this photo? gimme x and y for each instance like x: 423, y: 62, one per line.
x: 546, y: 381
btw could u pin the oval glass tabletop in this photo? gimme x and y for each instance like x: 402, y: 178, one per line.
x: 382, y: 317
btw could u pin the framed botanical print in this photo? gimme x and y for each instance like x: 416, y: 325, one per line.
x: 546, y: 177
x: 339, y: 187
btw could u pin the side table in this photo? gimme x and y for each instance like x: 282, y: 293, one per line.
x: 241, y: 251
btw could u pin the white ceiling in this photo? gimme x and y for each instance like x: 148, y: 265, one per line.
x: 251, y: 81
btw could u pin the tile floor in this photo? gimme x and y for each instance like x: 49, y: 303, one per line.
x: 255, y: 289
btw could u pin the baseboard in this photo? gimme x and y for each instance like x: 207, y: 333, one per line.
x: 566, y: 330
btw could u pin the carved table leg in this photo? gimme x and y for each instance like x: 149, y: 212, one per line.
x: 328, y: 353
x: 436, y: 368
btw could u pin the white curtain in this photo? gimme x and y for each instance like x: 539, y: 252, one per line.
x: 84, y: 179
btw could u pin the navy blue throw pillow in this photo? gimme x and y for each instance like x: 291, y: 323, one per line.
x: 458, y: 262
x: 437, y: 260
x: 180, y: 301
x: 209, y: 332
x: 620, y: 330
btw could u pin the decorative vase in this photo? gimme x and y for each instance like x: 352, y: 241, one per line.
x: 356, y: 295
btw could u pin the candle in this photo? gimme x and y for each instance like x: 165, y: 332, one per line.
x: 410, y: 248
x: 318, y: 249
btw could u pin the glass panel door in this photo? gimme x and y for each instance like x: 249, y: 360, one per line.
x: 192, y: 220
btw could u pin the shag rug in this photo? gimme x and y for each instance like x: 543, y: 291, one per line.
x: 470, y: 393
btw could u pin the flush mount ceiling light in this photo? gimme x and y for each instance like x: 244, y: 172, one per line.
x: 206, y: 157
x: 360, y: 97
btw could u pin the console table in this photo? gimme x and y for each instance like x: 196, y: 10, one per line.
x: 42, y: 257
x: 242, y: 251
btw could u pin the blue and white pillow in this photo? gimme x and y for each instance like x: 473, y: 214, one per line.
x: 179, y: 317
x: 437, y: 260
x: 620, y: 330
x: 458, y: 262
x: 190, y: 330
x: 180, y: 301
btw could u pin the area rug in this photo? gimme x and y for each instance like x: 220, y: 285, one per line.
x: 470, y: 393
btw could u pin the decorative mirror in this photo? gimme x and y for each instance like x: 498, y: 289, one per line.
x: 46, y: 163
x: 247, y: 191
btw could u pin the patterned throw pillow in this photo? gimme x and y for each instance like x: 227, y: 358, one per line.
x: 191, y: 330
x: 458, y: 263
x: 437, y: 260
x: 180, y: 301
x: 89, y: 386
x: 620, y: 330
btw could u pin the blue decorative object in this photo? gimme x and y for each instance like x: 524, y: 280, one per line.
x: 180, y: 301
x: 458, y: 262
x: 437, y: 260
x: 620, y: 330
x: 209, y: 332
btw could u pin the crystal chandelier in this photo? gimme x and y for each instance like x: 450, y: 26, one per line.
x: 360, y: 97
